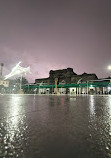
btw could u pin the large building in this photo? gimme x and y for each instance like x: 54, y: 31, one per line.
x: 66, y: 75
x: 66, y: 81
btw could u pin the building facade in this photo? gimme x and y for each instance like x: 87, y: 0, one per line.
x: 64, y: 77
x: 66, y: 81
x: 3, y: 85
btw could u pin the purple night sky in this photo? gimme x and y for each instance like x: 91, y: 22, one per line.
x: 56, y: 34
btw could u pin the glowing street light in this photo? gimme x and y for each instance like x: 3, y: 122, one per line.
x: 109, y: 67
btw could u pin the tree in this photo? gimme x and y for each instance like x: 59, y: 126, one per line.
x: 23, y: 80
x: 14, y: 85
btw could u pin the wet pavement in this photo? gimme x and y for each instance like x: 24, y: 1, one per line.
x: 33, y: 126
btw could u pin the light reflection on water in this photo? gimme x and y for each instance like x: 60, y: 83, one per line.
x: 109, y: 104
x: 15, y: 111
x: 55, y: 126
x: 92, y: 106
x: 108, y: 111
x: 13, y: 128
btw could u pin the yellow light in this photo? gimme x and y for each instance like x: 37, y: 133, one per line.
x: 109, y: 67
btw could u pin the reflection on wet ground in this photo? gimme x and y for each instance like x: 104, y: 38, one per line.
x: 33, y: 126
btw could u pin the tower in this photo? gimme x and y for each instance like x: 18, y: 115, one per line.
x: 2, y: 64
x: 56, y: 90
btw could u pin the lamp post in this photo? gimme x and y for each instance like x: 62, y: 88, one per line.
x: 20, y: 82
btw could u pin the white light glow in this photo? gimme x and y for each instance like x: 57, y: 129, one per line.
x: 17, y: 70
x: 14, y: 112
x: 109, y: 88
x: 109, y: 67
x: 92, y: 106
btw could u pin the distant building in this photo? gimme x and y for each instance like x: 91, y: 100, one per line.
x: 4, y: 83
x: 66, y: 81
x: 66, y: 75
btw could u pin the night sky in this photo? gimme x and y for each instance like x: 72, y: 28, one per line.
x: 56, y: 34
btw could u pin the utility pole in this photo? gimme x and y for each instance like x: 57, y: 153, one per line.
x: 20, y: 82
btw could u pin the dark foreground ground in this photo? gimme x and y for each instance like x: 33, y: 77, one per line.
x: 55, y: 126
